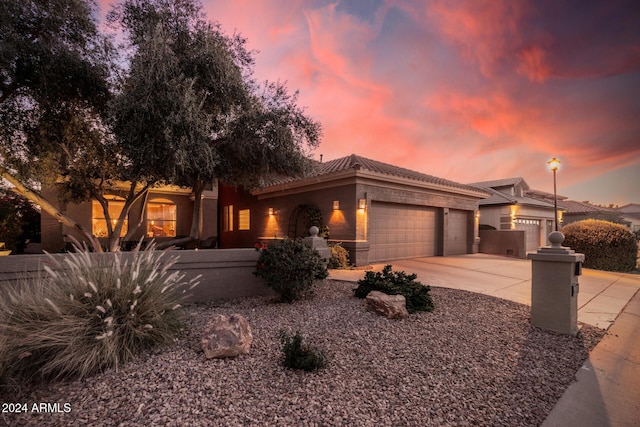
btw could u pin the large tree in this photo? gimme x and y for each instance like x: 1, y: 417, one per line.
x: 189, y: 112
x: 55, y: 68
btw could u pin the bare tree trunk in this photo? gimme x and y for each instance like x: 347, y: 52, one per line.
x: 48, y: 207
x: 132, y: 197
x: 196, y: 219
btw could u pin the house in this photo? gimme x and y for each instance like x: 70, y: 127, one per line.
x: 513, y: 205
x: 631, y: 214
x: 168, y: 215
x: 578, y: 211
x: 377, y: 211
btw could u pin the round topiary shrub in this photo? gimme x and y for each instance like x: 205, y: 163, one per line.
x: 605, y: 245
x: 290, y: 268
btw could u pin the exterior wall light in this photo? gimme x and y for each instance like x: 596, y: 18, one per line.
x: 270, y: 211
x: 336, y: 205
x: 362, y: 204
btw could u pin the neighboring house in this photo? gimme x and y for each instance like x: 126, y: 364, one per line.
x: 379, y: 212
x: 168, y: 215
x: 578, y: 211
x: 514, y: 206
x: 631, y: 214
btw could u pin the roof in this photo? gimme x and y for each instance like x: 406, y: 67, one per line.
x: 356, y: 163
x: 501, y: 183
x: 630, y: 208
x: 573, y: 206
x: 499, y: 198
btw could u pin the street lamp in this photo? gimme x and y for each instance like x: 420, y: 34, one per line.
x: 554, y: 164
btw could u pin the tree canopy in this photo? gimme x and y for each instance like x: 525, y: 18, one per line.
x: 176, y: 104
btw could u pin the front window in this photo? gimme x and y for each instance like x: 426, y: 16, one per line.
x: 227, y: 218
x: 98, y: 220
x: 161, y: 218
x: 244, y: 219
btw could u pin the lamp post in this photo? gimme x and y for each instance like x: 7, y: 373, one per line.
x: 554, y: 164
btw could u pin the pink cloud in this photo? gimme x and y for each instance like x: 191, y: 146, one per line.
x: 467, y: 90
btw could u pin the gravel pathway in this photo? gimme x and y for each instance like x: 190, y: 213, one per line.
x: 475, y: 360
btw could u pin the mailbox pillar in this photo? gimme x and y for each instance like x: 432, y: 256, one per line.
x: 554, y: 286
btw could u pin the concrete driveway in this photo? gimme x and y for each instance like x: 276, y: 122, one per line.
x: 601, y: 297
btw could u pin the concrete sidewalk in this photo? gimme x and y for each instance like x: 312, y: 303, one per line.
x: 607, y: 389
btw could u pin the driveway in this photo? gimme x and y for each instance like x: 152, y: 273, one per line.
x: 601, y: 297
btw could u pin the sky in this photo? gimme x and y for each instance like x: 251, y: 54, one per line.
x: 467, y: 90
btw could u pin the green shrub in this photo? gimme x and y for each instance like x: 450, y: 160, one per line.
x: 92, y: 312
x: 605, y: 245
x: 396, y: 283
x: 296, y: 354
x: 290, y: 268
x: 339, y: 257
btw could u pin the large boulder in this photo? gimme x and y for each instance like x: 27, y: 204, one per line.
x: 390, y: 306
x: 228, y: 336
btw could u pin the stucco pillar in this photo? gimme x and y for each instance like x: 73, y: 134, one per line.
x: 554, y: 286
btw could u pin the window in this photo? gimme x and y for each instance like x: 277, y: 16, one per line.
x: 227, y: 218
x: 244, y: 219
x: 161, y: 218
x: 98, y: 220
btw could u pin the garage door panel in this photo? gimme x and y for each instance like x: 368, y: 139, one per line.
x: 457, y: 232
x: 401, y: 231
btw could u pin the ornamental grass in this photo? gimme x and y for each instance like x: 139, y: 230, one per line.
x: 91, y: 312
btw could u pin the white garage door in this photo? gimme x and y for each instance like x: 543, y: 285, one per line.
x: 401, y: 231
x: 457, y: 233
x: 531, y: 229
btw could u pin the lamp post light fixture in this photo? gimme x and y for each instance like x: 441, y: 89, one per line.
x: 554, y: 164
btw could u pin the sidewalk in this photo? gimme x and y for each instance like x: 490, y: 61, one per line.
x: 607, y: 389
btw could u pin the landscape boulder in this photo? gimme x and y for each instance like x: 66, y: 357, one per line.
x: 228, y: 336
x: 390, y: 306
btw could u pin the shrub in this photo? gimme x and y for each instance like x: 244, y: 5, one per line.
x: 296, y: 354
x: 605, y: 245
x: 90, y: 313
x: 339, y: 257
x: 396, y: 283
x: 290, y: 268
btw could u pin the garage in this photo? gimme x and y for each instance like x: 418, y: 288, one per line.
x: 531, y: 229
x: 398, y: 231
x: 457, y: 235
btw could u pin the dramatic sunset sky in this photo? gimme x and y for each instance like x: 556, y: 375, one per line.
x: 468, y: 90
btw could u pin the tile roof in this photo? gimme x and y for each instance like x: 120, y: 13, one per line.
x: 501, y: 183
x: 356, y: 162
x: 573, y: 206
x: 499, y: 198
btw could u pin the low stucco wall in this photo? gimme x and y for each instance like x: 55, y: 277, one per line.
x: 226, y: 273
x: 503, y: 242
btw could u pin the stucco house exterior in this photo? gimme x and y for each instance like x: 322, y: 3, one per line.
x: 377, y: 211
x: 168, y: 215
x: 513, y: 205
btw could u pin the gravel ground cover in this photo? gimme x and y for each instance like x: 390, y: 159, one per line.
x: 475, y: 360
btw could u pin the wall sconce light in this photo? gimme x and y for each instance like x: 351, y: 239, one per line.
x: 270, y: 211
x: 362, y: 204
x: 336, y: 205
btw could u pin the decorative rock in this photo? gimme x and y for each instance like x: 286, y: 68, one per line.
x: 229, y: 336
x: 390, y: 306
